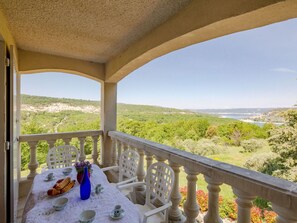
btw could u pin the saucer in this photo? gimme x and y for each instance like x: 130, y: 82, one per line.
x: 48, y: 180
x: 116, y: 218
x: 99, y: 191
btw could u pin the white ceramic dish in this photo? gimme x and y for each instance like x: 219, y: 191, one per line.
x: 87, y: 216
x: 67, y: 171
x: 48, y: 180
x: 60, y: 203
x: 117, y: 218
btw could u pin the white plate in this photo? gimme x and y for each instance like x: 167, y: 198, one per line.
x: 58, y: 195
x: 48, y: 180
x: 117, y: 218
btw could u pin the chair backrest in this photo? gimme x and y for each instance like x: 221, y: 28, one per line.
x: 159, y: 184
x: 128, y: 164
x: 61, y: 156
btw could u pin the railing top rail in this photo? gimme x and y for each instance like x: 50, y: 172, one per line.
x: 278, y: 191
x: 62, y: 135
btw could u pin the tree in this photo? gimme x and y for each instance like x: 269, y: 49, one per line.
x: 283, y: 141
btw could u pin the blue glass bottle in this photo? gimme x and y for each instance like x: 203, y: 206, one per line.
x: 85, y: 186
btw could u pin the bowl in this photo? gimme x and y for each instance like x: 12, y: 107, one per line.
x: 67, y: 171
x: 87, y: 216
x: 60, y: 203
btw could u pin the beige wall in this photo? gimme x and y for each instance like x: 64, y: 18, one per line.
x: 2, y: 133
x: 33, y: 62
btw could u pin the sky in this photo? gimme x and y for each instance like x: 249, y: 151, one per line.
x: 250, y: 69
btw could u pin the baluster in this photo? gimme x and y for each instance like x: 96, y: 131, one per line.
x: 175, y: 214
x: 82, y: 155
x: 33, y: 160
x: 119, y: 147
x: 244, y: 203
x: 285, y: 215
x: 140, y: 170
x: 149, y: 159
x: 213, y: 187
x: 67, y: 141
x: 125, y: 146
x: 102, y: 149
x: 160, y: 159
x: 191, y: 206
x: 139, y: 191
x: 51, y: 144
x: 95, y: 154
x: 114, y: 152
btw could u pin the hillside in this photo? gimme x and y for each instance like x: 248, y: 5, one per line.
x: 52, y: 105
x: 64, y: 114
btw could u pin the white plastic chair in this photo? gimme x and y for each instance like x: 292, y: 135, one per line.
x: 128, y: 164
x: 61, y: 156
x: 159, y: 183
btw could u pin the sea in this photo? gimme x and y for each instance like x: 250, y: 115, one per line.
x: 242, y: 114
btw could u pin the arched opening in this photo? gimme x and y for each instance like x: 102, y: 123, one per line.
x: 248, y: 76
x: 53, y: 103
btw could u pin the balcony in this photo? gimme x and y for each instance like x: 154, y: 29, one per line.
x: 246, y: 184
x: 76, y: 38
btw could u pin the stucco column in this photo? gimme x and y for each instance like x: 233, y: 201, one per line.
x: 108, y: 119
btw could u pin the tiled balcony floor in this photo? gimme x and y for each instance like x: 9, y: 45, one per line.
x: 21, y: 206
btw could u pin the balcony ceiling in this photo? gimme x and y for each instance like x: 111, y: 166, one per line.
x: 108, y: 39
x: 92, y: 30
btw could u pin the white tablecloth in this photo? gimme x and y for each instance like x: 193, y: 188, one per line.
x: 39, y: 206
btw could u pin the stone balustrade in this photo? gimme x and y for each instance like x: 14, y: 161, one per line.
x: 246, y: 184
x: 51, y: 139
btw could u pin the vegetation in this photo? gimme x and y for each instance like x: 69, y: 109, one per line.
x: 252, y: 145
x: 283, y: 142
x: 179, y: 128
x: 268, y: 149
x: 228, y: 208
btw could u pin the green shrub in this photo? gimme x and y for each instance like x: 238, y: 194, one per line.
x: 252, y: 145
x: 262, y: 203
x: 203, y: 147
x: 217, y: 140
x: 206, y: 147
x: 258, y: 161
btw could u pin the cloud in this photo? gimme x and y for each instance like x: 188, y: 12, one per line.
x: 284, y: 70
